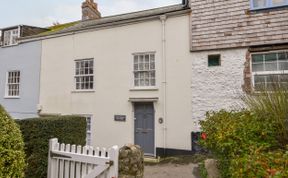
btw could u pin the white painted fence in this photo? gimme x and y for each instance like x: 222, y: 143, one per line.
x: 71, y: 161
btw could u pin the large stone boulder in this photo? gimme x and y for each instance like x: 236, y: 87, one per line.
x: 211, y: 167
x: 131, y: 162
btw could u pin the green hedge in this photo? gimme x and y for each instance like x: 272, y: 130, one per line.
x: 12, y: 157
x: 38, y: 131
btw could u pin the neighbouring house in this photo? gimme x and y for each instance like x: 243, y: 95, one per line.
x: 20, y: 71
x: 236, y: 46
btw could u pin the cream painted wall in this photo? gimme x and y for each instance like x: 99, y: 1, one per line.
x: 113, y: 62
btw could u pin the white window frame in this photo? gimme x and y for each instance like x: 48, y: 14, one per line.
x: 269, y: 4
x: 141, y: 87
x: 7, y: 91
x: 279, y: 72
x: 11, y: 37
x: 83, y: 75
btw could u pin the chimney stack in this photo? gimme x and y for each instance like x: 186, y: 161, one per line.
x: 90, y: 10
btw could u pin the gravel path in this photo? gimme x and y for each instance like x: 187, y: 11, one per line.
x: 171, y: 171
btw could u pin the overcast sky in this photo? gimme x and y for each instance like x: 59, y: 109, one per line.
x: 44, y: 13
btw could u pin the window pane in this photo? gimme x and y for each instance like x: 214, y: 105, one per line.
x: 282, y: 56
x: 142, y: 82
x: 283, y: 78
x: 271, y: 66
x: 136, y: 75
x: 279, y: 2
x: 141, y: 59
x: 271, y: 57
x: 257, y: 67
x: 146, y: 66
x: 153, y: 81
x: 257, y: 58
x: 259, y: 3
x: 283, y: 65
x: 135, y: 59
x: 259, y: 79
x: 136, y: 82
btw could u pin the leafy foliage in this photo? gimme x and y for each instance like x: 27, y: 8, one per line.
x: 274, y: 105
x: 244, y: 142
x: 12, y: 156
x: 38, y: 131
x: 202, y: 170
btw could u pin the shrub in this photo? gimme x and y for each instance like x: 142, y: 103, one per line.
x: 38, y: 131
x: 273, y: 105
x: 233, y: 135
x: 12, y: 157
x: 261, y: 164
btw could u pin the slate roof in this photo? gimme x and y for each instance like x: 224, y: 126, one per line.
x: 115, y: 20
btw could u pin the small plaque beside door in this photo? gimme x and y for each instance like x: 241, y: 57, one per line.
x: 120, y: 118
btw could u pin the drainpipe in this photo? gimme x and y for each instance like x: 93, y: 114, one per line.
x: 163, y: 19
x: 185, y: 3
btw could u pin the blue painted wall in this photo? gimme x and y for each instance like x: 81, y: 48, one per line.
x: 26, y: 58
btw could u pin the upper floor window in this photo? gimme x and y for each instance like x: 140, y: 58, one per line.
x: 10, y: 37
x: 84, y: 74
x: 144, y: 70
x: 269, y: 69
x: 13, y: 84
x: 261, y: 4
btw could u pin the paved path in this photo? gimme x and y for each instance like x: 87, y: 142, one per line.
x: 171, y: 171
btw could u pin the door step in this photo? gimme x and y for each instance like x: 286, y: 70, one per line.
x: 150, y: 159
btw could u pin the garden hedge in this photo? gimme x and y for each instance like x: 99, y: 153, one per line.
x: 12, y: 157
x: 38, y: 131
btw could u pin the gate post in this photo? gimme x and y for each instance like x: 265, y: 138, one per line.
x: 113, y: 154
x: 51, y: 163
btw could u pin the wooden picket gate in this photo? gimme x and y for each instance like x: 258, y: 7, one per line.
x: 71, y: 161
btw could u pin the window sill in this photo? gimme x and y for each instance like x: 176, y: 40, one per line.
x: 144, y: 89
x: 11, y: 97
x: 7, y: 46
x: 268, y: 8
x: 83, y: 91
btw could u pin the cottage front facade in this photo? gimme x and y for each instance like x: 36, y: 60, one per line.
x: 131, y: 80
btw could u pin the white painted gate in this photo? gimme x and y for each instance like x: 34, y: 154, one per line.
x: 71, y: 161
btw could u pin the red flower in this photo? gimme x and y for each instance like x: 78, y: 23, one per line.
x: 203, y: 135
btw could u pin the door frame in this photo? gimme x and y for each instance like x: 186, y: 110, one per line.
x: 134, y: 129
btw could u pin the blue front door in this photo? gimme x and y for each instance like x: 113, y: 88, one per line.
x: 144, y: 127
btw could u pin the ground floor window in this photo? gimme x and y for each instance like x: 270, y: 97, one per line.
x: 270, y: 69
x: 88, y: 131
x: 13, y: 84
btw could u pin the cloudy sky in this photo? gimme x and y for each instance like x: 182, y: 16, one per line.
x: 45, y: 12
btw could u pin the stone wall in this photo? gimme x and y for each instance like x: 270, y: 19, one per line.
x: 131, y: 162
x: 219, y: 87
